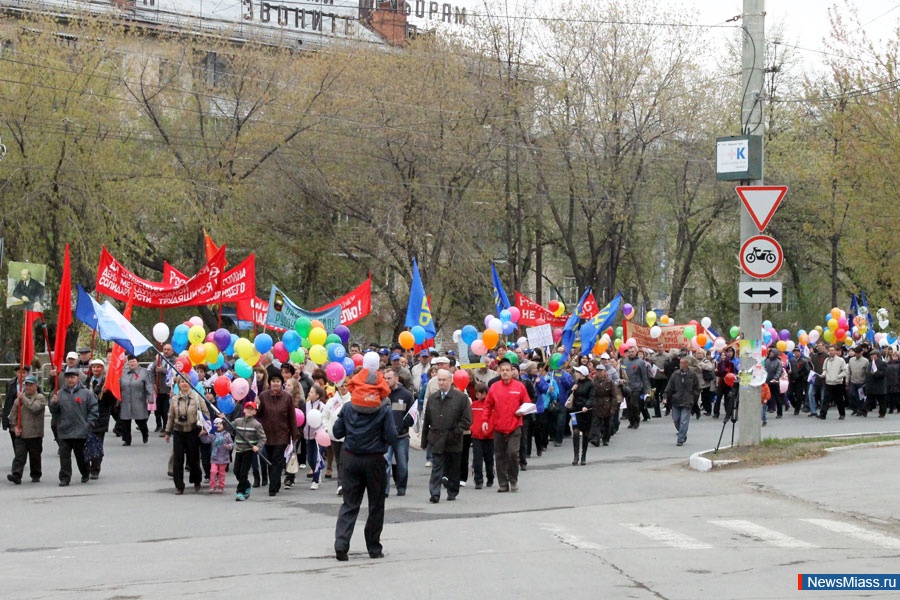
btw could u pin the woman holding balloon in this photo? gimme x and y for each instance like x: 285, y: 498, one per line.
x: 276, y: 414
x: 315, y: 453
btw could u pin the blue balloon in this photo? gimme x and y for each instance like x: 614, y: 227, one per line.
x: 229, y: 351
x: 767, y: 338
x: 263, y: 343
x: 468, y: 334
x: 336, y: 352
x: 508, y: 327
x: 181, y: 333
x: 349, y: 365
x: 194, y: 377
x: 179, y: 346
x: 767, y: 324
x: 505, y: 316
x: 418, y: 334
x: 200, y: 388
x: 225, y: 404
x: 220, y: 362
x: 291, y: 340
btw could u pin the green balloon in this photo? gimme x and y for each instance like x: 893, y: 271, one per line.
x: 305, y: 343
x: 303, y: 326
x: 555, y: 361
x: 333, y: 338
x: 298, y: 356
x: 618, y: 332
x: 689, y: 332
x: 512, y: 357
x: 735, y: 331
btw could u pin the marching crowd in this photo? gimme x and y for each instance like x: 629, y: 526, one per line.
x: 484, y: 422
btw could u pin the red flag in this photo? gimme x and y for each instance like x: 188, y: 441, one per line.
x: 64, y: 320
x: 210, y: 246
x: 589, y: 308
x: 28, y: 336
x: 117, y: 358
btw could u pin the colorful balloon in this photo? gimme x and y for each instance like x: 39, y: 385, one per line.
x: 655, y: 331
x: 418, y: 332
x: 469, y: 334
x: 461, y: 379
x: 336, y: 352
x: 478, y: 348
x: 734, y: 331
x: 197, y: 353
x: 303, y: 326
x: 280, y: 352
x: 343, y: 332
x: 160, y: 332
x: 242, y: 369
x: 490, y: 339
x: 298, y: 356
x: 323, y: 439
x: 239, y: 389
x: 335, y: 372
x: 406, y: 339
x: 196, y: 334
x: 689, y: 332
x: 318, y: 336
x: 651, y: 318
x: 318, y: 354
x: 300, y: 417
x: 222, y: 386
x: 514, y: 314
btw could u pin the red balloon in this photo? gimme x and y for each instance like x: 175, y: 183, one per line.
x: 553, y: 306
x: 730, y: 379
x: 557, y: 334
x: 222, y: 386
x: 357, y: 359
x: 280, y: 352
x: 461, y: 379
x: 183, y: 364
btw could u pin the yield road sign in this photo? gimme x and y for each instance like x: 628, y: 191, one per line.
x: 761, y: 256
x: 759, y: 292
x: 761, y: 201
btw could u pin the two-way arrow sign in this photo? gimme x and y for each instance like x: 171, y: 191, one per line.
x: 760, y: 292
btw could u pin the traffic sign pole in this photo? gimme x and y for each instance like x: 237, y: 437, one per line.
x: 752, y: 121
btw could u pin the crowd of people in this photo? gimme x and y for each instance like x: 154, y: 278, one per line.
x: 485, y: 423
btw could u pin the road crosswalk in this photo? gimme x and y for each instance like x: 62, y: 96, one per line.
x: 804, y: 533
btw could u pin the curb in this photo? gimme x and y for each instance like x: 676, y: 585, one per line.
x: 698, y: 462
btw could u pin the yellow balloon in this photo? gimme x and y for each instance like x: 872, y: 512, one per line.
x: 560, y: 310
x: 829, y: 336
x: 781, y: 345
x: 832, y: 324
x: 617, y: 343
x: 244, y: 348
x: 651, y: 318
x: 212, y: 352
x: 252, y: 358
x: 317, y: 337
x: 317, y: 353
x: 196, y: 334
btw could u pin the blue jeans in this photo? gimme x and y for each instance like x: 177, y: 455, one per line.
x: 398, y: 451
x: 765, y: 409
x: 681, y: 415
x: 813, y: 399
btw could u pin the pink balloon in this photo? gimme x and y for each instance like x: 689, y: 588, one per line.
x: 842, y: 323
x: 514, y: 314
x: 239, y: 388
x: 210, y: 337
x: 557, y: 334
x: 335, y: 372
x: 322, y: 438
x: 280, y: 352
x: 487, y: 320
x: 478, y: 348
x: 301, y: 418
x: 196, y: 321
x: 783, y: 386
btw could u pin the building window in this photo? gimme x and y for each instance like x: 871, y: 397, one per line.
x: 790, y: 302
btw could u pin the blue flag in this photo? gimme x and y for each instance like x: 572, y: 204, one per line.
x: 568, y: 336
x: 870, y: 320
x: 854, y: 307
x: 603, y: 319
x: 418, y: 311
x: 284, y: 313
x: 110, y: 324
x: 501, y: 300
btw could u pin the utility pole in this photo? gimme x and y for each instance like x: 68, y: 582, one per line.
x: 753, y: 62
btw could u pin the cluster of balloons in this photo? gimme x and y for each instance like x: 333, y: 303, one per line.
x: 323, y: 348
x: 557, y: 308
x: 652, y: 318
x: 504, y: 324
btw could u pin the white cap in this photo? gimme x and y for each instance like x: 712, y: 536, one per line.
x: 604, y: 356
x: 98, y: 361
x: 72, y: 355
x: 583, y: 370
x: 371, y: 361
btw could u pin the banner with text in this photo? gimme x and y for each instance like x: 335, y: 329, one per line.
x: 238, y: 284
x: 354, y: 305
x: 672, y: 337
x: 283, y: 313
x: 531, y: 313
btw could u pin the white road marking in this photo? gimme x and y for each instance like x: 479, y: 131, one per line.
x: 860, y: 533
x: 666, y: 536
x: 763, y: 534
x: 567, y: 537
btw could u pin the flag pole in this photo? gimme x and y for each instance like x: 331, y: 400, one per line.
x: 24, y: 333
x: 209, y: 404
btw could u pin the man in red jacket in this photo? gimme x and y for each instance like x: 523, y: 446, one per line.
x: 501, y: 411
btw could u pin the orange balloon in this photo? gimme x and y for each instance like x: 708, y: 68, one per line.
x: 406, y: 339
x: 836, y: 312
x: 197, y: 353
x: 701, y: 339
x: 601, y: 346
x: 317, y: 323
x: 490, y: 338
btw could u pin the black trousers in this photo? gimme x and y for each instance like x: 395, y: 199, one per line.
x: 464, y: 458
x: 506, y: 449
x: 186, y: 444
x: 523, y: 440
x: 124, y: 426
x: 601, y: 428
x: 483, y: 460
x: 66, y: 448
x: 444, y: 464
x: 242, y: 462
x: 659, y: 388
x: 95, y: 463
x: 31, y: 449
x: 162, y: 410
x: 833, y: 394
x: 275, y: 454
x: 361, y: 473
x: 633, y: 404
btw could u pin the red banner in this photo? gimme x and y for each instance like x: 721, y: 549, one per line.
x: 672, y: 337
x: 208, y: 286
x: 531, y: 313
x: 172, y: 276
x: 354, y: 306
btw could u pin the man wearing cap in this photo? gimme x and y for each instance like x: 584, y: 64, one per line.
x: 164, y: 377
x: 384, y: 354
x: 106, y: 402
x: 501, y: 408
x: 420, y: 369
x: 403, y: 372
x: 15, y: 387
x: 76, y: 410
x: 448, y: 415
x: 26, y: 418
x: 84, y: 359
x: 401, y: 401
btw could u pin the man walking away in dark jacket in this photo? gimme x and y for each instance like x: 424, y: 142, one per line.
x: 682, y: 391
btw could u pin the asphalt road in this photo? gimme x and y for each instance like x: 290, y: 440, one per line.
x: 634, y: 523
